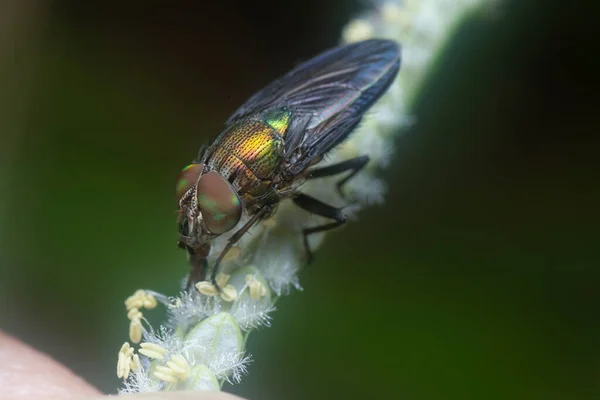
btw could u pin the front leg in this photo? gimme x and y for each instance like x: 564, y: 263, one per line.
x: 234, y: 239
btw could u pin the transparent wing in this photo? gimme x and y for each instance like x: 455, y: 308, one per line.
x: 328, y: 95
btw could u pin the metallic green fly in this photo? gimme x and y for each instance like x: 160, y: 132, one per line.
x: 274, y: 142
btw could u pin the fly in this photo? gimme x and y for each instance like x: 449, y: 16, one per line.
x: 274, y: 142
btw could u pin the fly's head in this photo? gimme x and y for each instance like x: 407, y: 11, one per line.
x: 208, y: 206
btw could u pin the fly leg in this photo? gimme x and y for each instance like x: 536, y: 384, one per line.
x: 317, y: 207
x: 234, y: 239
x: 354, y: 165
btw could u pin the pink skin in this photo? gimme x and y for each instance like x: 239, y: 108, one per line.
x: 27, y: 374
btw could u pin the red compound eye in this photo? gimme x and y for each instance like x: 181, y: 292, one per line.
x: 187, y: 178
x: 218, y: 202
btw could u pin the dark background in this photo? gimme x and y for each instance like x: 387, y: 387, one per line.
x: 478, y: 278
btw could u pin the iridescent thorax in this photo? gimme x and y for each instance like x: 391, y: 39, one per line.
x: 248, y: 154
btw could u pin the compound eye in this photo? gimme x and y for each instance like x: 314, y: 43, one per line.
x: 187, y: 178
x: 219, y: 204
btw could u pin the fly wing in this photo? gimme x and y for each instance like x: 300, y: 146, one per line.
x: 327, y: 95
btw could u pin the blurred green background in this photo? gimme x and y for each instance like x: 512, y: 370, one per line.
x: 476, y: 280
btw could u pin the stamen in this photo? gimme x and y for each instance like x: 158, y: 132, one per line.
x: 136, y: 330
x: 135, y: 363
x: 165, y: 377
x: 152, y: 350
x: 150, y: 302
x: 140, y: 299
x: 257, y: 289
x: 164, y: 370
x: 134, y: 313
x: 228, y: 293
x: 177, y: 369
x: 179, y: 366
x: 207, y: 288
x: 124, y: 361
x: 222, y: 279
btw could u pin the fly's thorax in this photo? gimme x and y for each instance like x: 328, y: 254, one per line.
x: 249, y: 153
x: 256, y: 144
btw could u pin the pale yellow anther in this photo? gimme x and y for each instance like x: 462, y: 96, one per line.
x: 120, y: 360
x: 232, y: 254
x: 165, y: 377
x: 150, y: 302
x: 175, y: 368
x: 123, y: 368
x: 135, y: 363
x: 135, y: 330
x: 164, y: 370
x: 222, y: 279
x: 125, y: 348
x: 173, y: 372
x: 152, y: 350
x: 140, y: 299
x: 136, y: 300
x: 207, y: 288
x: 124, y: 361
x: 228, y: 293
x: 134, y: 313
x: 257, y: 289
x: 179, y: 366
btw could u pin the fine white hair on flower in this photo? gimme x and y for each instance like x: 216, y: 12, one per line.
x: 189, y: 309
x: 203, y: 344
x: 140, y: 381
x: 166, y: 339
x: 230, y: 367
x: 251, y: 315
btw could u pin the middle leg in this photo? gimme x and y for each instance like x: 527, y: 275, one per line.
x: 355, y: 165
x: 317, y: 207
